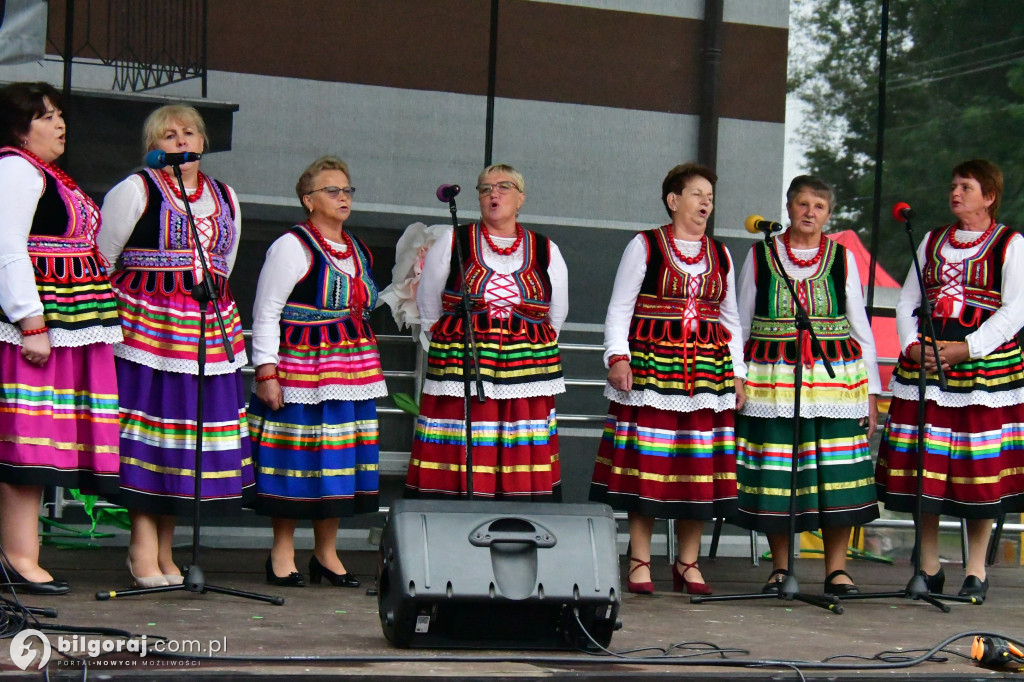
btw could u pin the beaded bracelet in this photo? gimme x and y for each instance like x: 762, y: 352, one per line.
x: 34, y: 332
x: 266, y: 378
x: 617, y: 358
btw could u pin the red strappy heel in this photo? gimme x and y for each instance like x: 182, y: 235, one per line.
x: 681, y: 584
x: 639, y: 588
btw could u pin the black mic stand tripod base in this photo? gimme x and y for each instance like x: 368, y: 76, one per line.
x: 203, y: 294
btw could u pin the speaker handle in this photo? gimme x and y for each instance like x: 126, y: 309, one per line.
x: 486, y: 534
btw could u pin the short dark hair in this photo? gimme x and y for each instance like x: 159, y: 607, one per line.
x: 988, y: 176
x: 677, y: 178
x: 814, y: 185
x: 20, y: 104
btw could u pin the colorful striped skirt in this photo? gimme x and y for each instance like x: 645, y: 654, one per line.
x: 663, y: 464
x: 58, y: 422
x: 835, y: 486
x: 315, y: 461
x: 515, y: 449
x: 973, y: 463
x: 158, y: 442
x: 667, y: 359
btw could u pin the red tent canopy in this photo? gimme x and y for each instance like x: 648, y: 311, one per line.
x: 887, y: 342
x: 851, y: 241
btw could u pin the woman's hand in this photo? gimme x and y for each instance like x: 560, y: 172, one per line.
x: 917, y: 351
x: 620, y: 376
x: 269, y: 390
x: 741, y: 392
x: 952, y: 354
x: 36, y: 349
x: 871, y: 421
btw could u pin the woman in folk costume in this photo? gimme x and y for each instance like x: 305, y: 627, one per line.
x: 835, y: 486
x: 313, y: 417
x: 58, y: 322
x: 518, y: 285
x: 973, y: 274
x: 146, y: 234
x: 674, y: 351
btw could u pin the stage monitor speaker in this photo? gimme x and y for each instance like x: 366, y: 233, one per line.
x: 498, y: 575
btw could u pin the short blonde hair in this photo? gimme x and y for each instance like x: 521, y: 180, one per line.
x: 160, y: 119
x: 305, y: 184
x: 508, y: 170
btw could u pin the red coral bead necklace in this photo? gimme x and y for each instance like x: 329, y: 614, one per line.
x: 507, y: 250
x: 800, y: 262
x: 689, y: 260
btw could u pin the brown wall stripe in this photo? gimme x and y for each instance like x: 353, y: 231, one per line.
x: 438, y: 45
x: 547, y: 52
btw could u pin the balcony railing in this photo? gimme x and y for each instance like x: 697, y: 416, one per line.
x: 147, y: 43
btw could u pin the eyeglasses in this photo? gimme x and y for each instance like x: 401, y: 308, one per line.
x: 503, y: 187
x: 333, y: 191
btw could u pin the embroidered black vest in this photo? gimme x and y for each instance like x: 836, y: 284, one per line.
x: 326, y: 304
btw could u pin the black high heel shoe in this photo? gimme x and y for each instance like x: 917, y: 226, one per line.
x: 775, y: 581
x: 974, y: 587
x: 317, y: 571
x: 839, y: 589
x: 935, y: 582
x: 27, y: 586
x: 291, y: 580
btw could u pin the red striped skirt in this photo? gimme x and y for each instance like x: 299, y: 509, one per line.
x: 973, y: 463
x: 515, y: 449
x: 667, y: 464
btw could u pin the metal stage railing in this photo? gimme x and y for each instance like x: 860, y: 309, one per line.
x: 147, y: 43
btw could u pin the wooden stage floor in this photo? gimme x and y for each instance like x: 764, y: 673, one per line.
x: 329, y: 632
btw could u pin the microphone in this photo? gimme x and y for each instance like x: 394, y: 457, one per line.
x: 902, y: 212
x: 446, y: 193
x: 756, y: 223
x: 158, y: 159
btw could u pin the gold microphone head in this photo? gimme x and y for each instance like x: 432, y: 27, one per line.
x: 752, y: 222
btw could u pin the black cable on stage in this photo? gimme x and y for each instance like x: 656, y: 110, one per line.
x: 15, y: 617
x: 886, y: 660
x: 797, y: 666
x: 665, y: 652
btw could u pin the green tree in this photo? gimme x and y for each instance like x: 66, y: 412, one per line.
x: 955, y: 91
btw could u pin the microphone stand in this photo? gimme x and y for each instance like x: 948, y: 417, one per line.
x: 789, y: 589
x: 470, y: 355
x: 202, y: 293
x: 917, y: 588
